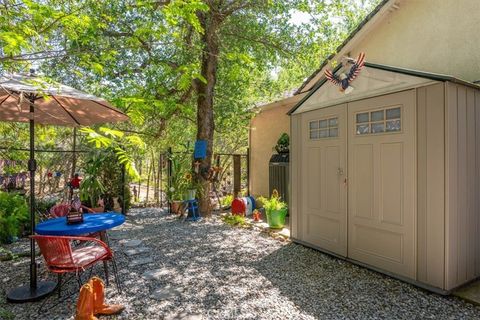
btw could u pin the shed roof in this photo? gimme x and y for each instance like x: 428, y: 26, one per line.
x: 408, y: 72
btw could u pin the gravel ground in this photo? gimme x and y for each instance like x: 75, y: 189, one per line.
x: 209, y: 270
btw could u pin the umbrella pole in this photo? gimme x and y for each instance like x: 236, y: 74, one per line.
x: 35, y: 290
x: 32, y: 166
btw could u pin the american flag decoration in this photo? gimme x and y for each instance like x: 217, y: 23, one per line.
x: 344, y: 80
x: 76, y: 204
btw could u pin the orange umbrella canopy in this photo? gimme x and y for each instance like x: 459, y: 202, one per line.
x: 54, y: 103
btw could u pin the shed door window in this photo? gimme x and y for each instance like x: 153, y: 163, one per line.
x: 379, y: 121
x: 324, y: 128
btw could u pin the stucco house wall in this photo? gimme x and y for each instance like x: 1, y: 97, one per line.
x: 265, y: 129
x: 435, y: 36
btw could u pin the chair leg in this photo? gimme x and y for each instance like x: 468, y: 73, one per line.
x: 105, y: 268
x: 79, y: 280
x: 115, y: 273
x: 59, y: 285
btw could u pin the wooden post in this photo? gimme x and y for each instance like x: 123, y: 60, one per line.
x: 248, y: 171
x: 140, y: 165
x: 160, y: 179
x: 169, y: 178
x: 124, y: 207
x: 237, y: 172
x: 74, y: 152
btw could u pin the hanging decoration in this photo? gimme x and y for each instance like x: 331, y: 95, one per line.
x: 344, y: 79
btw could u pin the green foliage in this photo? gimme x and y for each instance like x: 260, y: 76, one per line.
x: 273, y: 203
x: 13, y: 215
x: 226, y: 201
x: 6, y: 315
x: 102, y: 180
x: 91, y: 188
x: 116, y: 141
x: 283, y: 143
x: 234, y: 220
x: 43, y: 206
x: 178, y: 183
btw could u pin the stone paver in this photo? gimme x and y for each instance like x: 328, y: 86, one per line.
x: 140, y: 261
x: 136, y: 251
x: 131, y: 243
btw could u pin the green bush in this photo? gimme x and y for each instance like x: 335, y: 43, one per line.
x: 234, y: 220
x: 227, y: 201
x: 13, y: 216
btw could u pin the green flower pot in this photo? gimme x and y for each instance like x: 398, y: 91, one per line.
x: 190, y: 194
x: 276, y: 218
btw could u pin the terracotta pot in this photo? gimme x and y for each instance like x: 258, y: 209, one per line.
x: 98, y: 209
x: 177, y: 206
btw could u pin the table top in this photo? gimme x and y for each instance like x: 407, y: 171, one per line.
x: 93, y: 222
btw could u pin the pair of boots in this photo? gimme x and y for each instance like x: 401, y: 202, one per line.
x: 91, y: 301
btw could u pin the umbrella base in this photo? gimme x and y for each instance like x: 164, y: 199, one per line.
x: 27, y: 294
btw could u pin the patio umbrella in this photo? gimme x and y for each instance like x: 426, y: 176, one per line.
x: 27, y: 98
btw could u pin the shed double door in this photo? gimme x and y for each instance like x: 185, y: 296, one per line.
x: 358, y: 187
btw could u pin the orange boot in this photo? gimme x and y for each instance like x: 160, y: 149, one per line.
x: 100, y: 307
x: 85, y: 304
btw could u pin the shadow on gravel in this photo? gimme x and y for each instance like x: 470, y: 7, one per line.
x: 329, y: 288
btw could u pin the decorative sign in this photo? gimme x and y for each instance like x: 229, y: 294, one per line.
x: 74, y: 217
x: 344, y: 80
x: 200, y: 151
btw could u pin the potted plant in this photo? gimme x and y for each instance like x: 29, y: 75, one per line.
x: 176, y: 192
x: 283, y: 143
x: 189, y: 186
x: 92, y: 188
x: 275, y: 210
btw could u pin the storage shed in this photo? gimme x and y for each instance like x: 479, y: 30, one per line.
x: 388, y: 176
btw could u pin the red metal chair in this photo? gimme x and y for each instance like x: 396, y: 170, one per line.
x: 62, y: 209
x: 62, y: 257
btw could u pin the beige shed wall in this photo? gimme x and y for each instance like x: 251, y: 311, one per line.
x: 448, y: 184
x: 431, y: 185
x: 266, y: 128
x: 428, y: 35
x: 462, y: 126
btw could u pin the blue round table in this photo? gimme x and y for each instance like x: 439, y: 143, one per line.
x: 94, y: 222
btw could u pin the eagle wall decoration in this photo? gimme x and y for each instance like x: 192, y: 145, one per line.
x: 344, y: 80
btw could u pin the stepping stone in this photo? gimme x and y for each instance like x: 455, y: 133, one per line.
x: 132, y: 243
x: 184, y: 316
x: 284, y: 233
x: 156, y: 274
x: 117, y: 236
x: 140, y: 261
x: 165, y: 293
x: 135, y: 251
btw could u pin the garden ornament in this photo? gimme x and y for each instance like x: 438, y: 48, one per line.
x: 344, y: 79
x: 197, y: 166
x: 256, y: 215
x: 91, y: 301
x: 85, y: 304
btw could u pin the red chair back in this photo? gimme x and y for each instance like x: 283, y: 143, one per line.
x: 56, y: 251
x: 60, y: 210
x: 60, y: 257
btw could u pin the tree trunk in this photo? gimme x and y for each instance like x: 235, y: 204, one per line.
x: 205, y: 94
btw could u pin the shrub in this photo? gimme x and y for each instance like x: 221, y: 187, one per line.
x: 234, y: 220
x: 227, y: 201
x: 13, y: 216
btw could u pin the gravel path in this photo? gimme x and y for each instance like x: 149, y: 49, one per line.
x: 209, y: 270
